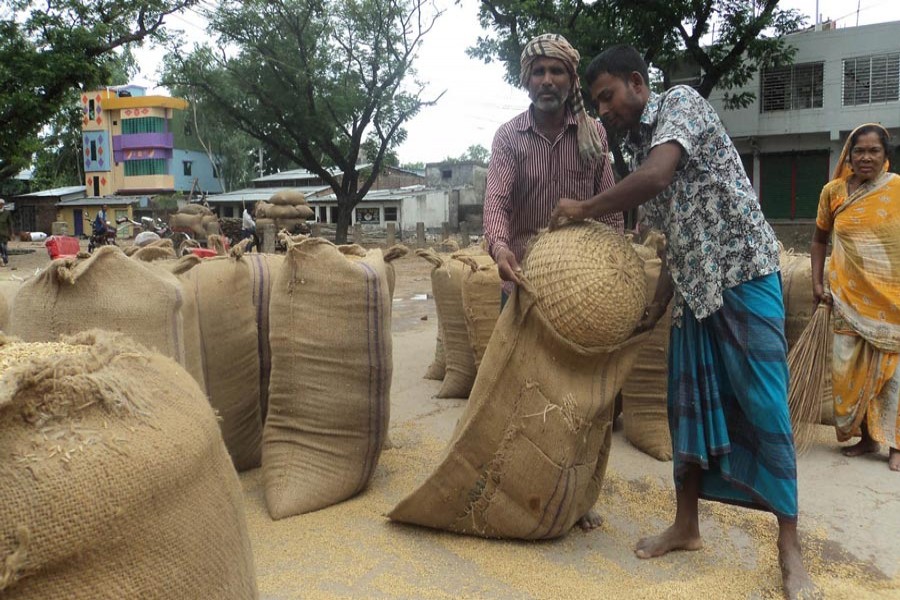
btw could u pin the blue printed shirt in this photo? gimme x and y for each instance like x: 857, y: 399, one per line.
x: 717, y: 237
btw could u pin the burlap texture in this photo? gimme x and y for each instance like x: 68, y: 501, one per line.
x: 529, y: 454
x: 481, y: 287
x: 229, y: 344
x: 438, y: 367
x: 263, y: 268
x: 4, y: 313
x: 287, y: 198
x: 110, y: 291
x: 152, y: 252
x: 446, y: 285
x: 329, y: 391
x: 189, y: 222
x: 115, y: 482
x: 645, y: 392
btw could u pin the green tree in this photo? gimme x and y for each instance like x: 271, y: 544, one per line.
x: 323, y: 83
x: 52, y: 49
x: 728, y: 39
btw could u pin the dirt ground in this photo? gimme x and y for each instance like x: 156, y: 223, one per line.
x: 850, y: 515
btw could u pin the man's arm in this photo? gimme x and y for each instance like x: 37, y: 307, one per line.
x: 644, y: 184
x: 502, y: 173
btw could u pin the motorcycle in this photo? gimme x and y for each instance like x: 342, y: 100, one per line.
x: 100, y: 236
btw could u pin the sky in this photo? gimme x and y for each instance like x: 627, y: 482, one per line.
x: 476, y: 99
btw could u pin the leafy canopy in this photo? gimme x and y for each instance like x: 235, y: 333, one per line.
x: 324, y: 84
x: 51, y: 50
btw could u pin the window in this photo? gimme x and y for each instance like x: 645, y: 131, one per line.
x: 187, y: 167
x: 368, y: 215
x: 390, y: 213
x: 91, y: 110
x: 871, y: 79
x: 153, y: 166
x: 188, y: 132
x: 144, y: 125
x: 93, y: 150
x: 792, y: 87
x: 446, y: 173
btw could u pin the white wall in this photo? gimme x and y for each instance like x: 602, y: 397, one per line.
x: 832, y: 47
x: 429, y: 207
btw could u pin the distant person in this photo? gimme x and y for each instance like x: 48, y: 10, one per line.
x: 728, y: 375
x: 100, y: 225
x: 6, y: 232
x: 248, y: 229
x: 860, y: 209
x: 550, y: 151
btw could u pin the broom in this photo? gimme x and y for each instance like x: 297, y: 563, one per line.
x: 807, y: 362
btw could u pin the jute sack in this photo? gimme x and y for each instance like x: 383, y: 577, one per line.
x: 110, y: 291
x: 438, y: 367
x: 229, y: 344
x: 263, y: 268
x: 161, y: 250
x: 390, y: 255
x: 446, y: 285
x: 194, y: 209
x: 645, y: 392
x: 529, y: 454
x: 329, y: 391
x: 8, y: 290
x: 287, y: 198
x: 115, y: 483
x: 192, y: 222
x: 481, y: 287
x: 4, y: 313
x: 286, y: 211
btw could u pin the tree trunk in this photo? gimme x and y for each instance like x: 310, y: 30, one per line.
x: 345, y: 209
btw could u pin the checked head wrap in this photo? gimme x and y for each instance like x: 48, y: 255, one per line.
x: 553, y: 45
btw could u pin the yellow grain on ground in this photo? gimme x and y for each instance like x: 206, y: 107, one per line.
x: 352, y: 551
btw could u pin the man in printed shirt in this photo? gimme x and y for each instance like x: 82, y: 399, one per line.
x: 728, y: 377
x: 551, y: 151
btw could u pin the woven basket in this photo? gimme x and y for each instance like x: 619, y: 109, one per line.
x: 589, y: 283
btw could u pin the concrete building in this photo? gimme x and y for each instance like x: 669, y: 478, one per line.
x: 466, y: 182
x: 130, y: 145
x: 791, y: 136
x: 38, y: 210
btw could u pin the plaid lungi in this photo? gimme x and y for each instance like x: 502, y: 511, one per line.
x: 727, y: 399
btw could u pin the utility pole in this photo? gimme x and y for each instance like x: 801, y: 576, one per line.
x: 260, y: 161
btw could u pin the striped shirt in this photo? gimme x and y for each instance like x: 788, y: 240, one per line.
x: 527, y: 176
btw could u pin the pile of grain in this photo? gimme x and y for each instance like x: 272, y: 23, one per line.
x: 116, y: 482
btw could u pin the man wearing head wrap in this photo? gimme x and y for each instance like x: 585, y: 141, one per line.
x: 550, y: 151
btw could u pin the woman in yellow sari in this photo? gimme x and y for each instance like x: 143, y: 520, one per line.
x: 860, y: 206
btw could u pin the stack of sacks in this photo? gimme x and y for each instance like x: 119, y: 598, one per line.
x: 529, y: 454
x: 8, y: 290
x: 481, y: 288
x: 645, y: 393
x: 223, y: 287
x: 199, y: 220
x: 116, y: 483
x: 796, y: 281
x: 446, y: 285
x: 329, y: 387
x: 162, y: 249
x: 110, y: 291
x: 286, y: 209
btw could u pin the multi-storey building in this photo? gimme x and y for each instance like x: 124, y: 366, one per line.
x: 791, y: 136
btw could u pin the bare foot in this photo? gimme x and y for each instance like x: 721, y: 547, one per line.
x: 669, y: 540
x: 894, y: 460
x: 860, y: 448
x: 795, y: 580
x: 590, y: 520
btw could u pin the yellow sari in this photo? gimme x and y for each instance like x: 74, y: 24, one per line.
x: 865, y: 286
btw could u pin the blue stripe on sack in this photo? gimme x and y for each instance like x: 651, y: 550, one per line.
x: 376, y: 379
x: 546, y: 508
